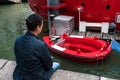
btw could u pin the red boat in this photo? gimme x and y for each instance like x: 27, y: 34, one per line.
x: 90, y: 11
x: 82, y: 49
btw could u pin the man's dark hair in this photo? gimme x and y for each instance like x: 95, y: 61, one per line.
x: 32, y: 21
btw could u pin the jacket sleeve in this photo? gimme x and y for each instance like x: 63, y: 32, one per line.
x: 45, y: 57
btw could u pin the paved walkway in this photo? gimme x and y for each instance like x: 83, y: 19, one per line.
x: 7, y: 67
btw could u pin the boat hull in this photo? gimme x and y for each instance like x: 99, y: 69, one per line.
x: 83, y: 56
x: 97, y: 11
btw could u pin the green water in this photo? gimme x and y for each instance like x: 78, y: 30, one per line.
x: 12, y: 25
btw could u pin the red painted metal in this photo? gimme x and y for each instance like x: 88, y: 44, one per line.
x: 87, y: 50
x: 54, y: 7
x: 93, y: 11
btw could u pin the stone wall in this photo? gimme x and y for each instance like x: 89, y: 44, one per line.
x: 7, y: 67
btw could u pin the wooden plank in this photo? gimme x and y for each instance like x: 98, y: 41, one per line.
x: 81, y: 33
x: 104, y: 36
x: 75, y: 32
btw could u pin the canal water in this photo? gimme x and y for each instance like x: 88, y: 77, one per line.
x: 12, y: 25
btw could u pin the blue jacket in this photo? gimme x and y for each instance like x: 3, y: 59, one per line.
x: 32, y: 58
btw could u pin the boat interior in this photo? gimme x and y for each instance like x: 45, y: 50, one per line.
x: 81, y: 44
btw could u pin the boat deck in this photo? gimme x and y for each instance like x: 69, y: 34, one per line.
x: 99, y: 35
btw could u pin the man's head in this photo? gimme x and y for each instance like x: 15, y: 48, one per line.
x: 34, y: 23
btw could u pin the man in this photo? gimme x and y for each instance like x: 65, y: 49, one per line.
x: 32, y: 56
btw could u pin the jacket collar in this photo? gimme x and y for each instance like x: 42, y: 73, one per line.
x: 31, y: 34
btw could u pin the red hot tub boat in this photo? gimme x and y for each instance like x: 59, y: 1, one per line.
x: 82, y: 49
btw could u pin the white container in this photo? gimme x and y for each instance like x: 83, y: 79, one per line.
x: 63, y: 24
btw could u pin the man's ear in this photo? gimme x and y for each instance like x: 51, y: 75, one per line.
x: 37, y: 28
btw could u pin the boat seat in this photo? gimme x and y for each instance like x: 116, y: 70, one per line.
x: 104, y: 26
